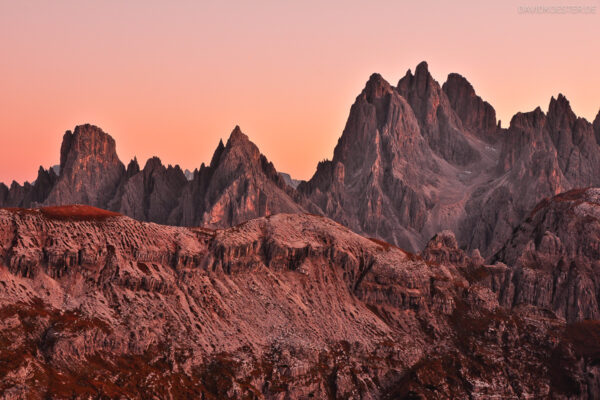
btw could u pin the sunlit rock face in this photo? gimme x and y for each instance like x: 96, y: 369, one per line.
x: 90, y: 168
x: 238, y: 185
x: 291, y: 303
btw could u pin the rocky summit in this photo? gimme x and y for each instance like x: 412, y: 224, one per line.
x: 436, y: 255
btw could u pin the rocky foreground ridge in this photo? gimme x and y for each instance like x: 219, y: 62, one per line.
x: 413, y: 159
x: 96, y: 304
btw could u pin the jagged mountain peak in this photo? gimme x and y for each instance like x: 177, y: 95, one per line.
x: 153, y: 163
x: 133, y: 167
x: 422, y: 70
x: 376, y: 87
x: 527, y: 120
x: 456, y: 79
x: 560, y: 106
x: 239, y: 147
x: 240, y: 184
x: 86, y: 140
x: 90, y: 170
x: 476, y: 115
x: 421, y: 80
x: 439, y: 123
x: 237, y: 136
x: 217, y: 154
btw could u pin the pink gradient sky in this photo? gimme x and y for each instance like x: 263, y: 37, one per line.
x: 172, y: 78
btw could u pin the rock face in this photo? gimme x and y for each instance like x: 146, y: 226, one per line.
x: 597, y: 127
x: 90, y: 168
x: 439, y: 123
x: 381, y: 160
x: 556, y: 257
x: 153, y: 193
x: 97, y: 304
x: 547, y: 154
x: 404, y: 167
x: 478, y: 116
x: 238, y: 185
x: 404, y: 173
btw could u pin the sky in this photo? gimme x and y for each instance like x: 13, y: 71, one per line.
x: 171, y: 78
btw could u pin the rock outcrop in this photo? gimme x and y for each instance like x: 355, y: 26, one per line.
x: 439, y: 123
x: 238, y: 185
x: 380, y: 162
x: 28, y: 194
x: 404, y: 167
x: 444, y: 163
x: 478, y: 116
x: 90, y: 170
x: 98, y: 304
x: 541, y: 156
x: 153, y: 193
x: 555, y: 255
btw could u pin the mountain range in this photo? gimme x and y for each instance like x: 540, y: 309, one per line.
x: 413, y: 160
x: 436, y: 255
x: 295, y: 306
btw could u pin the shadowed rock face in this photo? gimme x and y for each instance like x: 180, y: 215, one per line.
x: 28, y: 194
x: 597, y: 127
x: 478, y: 116
x: 289, y: 303
x: 556, y: 257
x: 152, y: 194
x: 439, y: 123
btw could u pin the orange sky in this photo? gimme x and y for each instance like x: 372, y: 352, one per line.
x: 171, y: 78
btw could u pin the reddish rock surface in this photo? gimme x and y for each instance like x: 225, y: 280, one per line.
x: 288, y: 306
x: 90, y: 170
x: 555, y: 254
x: 403, y: 176
x: 541, y: 156
x: 238, y: 185
x: 404, y: 168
